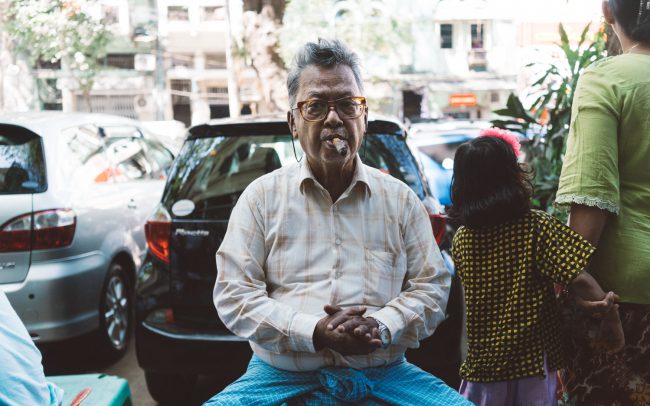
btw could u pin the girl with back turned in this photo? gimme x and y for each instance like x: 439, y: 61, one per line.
x: 508, y: 257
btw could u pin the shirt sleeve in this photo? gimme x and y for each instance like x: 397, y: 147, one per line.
x: 416, y: 312
x: 590, y: 170
x: 560, y: 253
x: 240, y: 293
x: 22, y: 380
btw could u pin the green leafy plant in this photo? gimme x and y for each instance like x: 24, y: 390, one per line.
x: 59, y: 30
x: 547, y: 120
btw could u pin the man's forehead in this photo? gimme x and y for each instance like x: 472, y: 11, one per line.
x: 339, y: 79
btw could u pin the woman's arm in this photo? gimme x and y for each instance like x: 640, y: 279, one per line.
x: 589, y: 223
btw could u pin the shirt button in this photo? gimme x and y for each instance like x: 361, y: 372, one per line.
x: 338, y: 241
x: 337, y: 274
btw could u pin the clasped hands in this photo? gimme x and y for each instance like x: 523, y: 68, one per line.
x: 610, y: 334
x: 347, y: 331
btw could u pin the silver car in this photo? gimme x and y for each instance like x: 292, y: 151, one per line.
x: 75, y: 192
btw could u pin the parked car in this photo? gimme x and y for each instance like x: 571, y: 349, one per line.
x: 437, y: 143
x: 178, y: 332
x: 75, y: 191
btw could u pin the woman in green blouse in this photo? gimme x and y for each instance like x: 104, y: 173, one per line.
x: 606, y: 182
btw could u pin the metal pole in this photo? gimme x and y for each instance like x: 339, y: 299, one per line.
x: 233, y: 91
x: 159, y: 80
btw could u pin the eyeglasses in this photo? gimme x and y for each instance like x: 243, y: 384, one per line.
x: 346, y: 107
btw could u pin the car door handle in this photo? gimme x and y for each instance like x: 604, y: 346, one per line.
x: 132, y: 204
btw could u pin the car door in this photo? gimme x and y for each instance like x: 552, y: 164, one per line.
x: 96, y: 196
x: 22, y: 173
x: 149, y: 188
x: 141, y: 180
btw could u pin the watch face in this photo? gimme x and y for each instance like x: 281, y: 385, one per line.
x: 384, y: 336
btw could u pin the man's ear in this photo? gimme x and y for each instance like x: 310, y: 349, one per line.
x: 292, y: 124
x: 607, y: 12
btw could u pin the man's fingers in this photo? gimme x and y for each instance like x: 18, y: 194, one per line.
x: 340, y: 316
x: 331, y: 310
x: 339, y: 319
x: 361, y: 331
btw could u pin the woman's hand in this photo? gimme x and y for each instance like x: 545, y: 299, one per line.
x: 610, y: 334
x: 597, y: 308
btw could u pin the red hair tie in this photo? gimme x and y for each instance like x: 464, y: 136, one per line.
x: 505, y: 135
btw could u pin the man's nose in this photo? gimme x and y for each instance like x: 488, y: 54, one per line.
x: 332, y: 119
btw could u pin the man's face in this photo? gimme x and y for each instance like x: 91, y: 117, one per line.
x: 316, y: 137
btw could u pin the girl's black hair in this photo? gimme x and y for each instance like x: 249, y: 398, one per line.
x: 489, y: 186
x: 634, y: 17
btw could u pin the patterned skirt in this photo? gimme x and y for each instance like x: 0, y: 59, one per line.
x: 593, y: 376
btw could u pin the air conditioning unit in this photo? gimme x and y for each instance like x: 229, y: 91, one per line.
x: 144, y: 107
x: 144, y: 62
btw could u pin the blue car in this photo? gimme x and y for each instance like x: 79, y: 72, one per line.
x: 437, y: 145
x: 437, y: 157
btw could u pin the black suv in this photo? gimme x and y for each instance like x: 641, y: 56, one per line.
x: 178, y: 332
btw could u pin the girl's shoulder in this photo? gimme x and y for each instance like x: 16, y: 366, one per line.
x: 540, y: 215
x: 542, y: 220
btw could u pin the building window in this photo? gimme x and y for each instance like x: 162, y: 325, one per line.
x: 494, y: 97
x: 178, y: 13
x: 215, y: 61
x: 120, y: 61
x: 50, y: 94
x: 213, y: 13
x: 182, y: 60
x: 43, y: 64
x: 446, y: 36
x: 477, y: 36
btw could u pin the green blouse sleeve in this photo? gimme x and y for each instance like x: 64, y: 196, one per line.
x: 590, y: 170
x: 560, y: 253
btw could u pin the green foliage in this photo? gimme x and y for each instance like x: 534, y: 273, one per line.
x: 547, y: 120
x: 59, y: 30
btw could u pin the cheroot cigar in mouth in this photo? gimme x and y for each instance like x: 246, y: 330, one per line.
x: 341, y: 146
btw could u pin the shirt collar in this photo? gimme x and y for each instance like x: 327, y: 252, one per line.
x: 360, y: 175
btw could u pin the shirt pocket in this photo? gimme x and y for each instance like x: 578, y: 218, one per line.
x: 384, y: 275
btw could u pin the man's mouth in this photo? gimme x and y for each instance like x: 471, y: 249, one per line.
x: 330, y: 137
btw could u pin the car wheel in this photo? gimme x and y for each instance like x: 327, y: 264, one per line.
x: 115, y: 313
x: 171, y: 388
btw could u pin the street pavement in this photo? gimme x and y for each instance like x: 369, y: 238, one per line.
x: 77, y: 356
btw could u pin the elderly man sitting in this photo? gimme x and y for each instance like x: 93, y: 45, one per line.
x: 329, y: 267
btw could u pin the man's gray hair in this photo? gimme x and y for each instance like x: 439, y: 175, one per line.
x: 323, y: 54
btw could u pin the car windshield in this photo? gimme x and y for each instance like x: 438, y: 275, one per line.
x: 213, y: 172
x: 442, y: 152
x: 22, y: 165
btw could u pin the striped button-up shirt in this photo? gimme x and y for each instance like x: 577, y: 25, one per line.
x: 289, y: 250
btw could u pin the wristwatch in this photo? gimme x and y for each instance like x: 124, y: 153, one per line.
x: 384, y: 334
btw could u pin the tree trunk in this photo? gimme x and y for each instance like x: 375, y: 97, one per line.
x: 262, y: 20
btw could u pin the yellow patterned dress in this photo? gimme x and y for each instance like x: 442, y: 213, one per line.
x: 508, y: 271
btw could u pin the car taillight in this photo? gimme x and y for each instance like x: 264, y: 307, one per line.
x: 158, y: 231
x: 40, y: 230
x: 53, y: 228
x: 438, y: 224
x: 16, y: 234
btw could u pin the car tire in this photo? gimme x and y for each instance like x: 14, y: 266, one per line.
x: 115, y: 313
x: 170, y: 388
